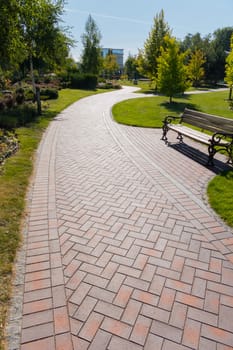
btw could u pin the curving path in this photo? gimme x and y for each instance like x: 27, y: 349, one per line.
x: 121, y: 249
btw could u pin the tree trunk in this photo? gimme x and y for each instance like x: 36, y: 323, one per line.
x: 36, y: 91
x: 32, y: 76
x: 230, y: 93
x: 38, y: 101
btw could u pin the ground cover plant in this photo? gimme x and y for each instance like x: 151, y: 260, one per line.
x: 14, y: 179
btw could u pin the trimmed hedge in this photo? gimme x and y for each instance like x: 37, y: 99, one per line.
x: 83, y: 81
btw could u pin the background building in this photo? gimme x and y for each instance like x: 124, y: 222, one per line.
x: 119, y: 53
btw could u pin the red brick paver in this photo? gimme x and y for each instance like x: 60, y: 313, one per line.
x: 121, y: 249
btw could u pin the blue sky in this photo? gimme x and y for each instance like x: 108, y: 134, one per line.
x: 125, y: 24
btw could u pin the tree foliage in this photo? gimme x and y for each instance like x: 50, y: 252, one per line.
x: 32, y: 33
x: 229, y: 69
x: 91, y: 56
x: 195, y: 68
x: 172, y: 75
x: 11, y: 46
x: 42, y: 37
x: 221, y: 44
x: 148, y: 57
x: 110, y: 65
x: 131, y: 67
x: 214, y: 48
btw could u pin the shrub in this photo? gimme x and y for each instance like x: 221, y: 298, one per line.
x: 9, y: 100
x: 2, y: 105
x: 19, y: 99
x: 19, y: 96
x: 83, y: 81
x: 49, y: 94
x: 18, y: 116
x: 109, y: 85
x: 29, y: 95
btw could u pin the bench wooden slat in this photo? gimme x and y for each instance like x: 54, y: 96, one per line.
x: 207, y: 121
x: 194, y: 134
x: 221, y: 129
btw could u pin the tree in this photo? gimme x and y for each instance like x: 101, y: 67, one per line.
x: 40, y: 30
x: 195, y: 67
x: 91, y: 56
x: 11, y: 48
x: 131, y: 67
x: 229, y: 69
x: 42, y: 38
x: 110, y: 65
x: 220, y: 44
x: 171, y: 69
x: 148, y: 57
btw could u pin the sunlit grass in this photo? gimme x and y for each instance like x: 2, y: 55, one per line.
x: 220, y: 193
x: 150, y: 111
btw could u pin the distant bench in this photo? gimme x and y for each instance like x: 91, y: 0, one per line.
x: 221, y: 128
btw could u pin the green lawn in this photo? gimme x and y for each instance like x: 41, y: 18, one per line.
x: 14, y: 180
x: 150, y: 112
x: 220, y: 193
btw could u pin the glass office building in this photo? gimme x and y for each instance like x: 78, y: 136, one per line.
x: 119, y: 53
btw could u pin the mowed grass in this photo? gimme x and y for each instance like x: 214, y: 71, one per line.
x: 220, y: 193
x: 14, y: 179
x: 150, y: 112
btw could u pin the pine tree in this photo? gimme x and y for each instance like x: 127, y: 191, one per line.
x: 148, y: 57
x: 91, y: 56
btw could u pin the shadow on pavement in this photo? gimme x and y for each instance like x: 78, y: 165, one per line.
x: 200, y: 157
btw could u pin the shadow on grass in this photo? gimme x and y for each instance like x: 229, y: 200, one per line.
x: 147, y: 92
x: 177, y: 106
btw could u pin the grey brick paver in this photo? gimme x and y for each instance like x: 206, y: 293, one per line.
x: 121, y: 250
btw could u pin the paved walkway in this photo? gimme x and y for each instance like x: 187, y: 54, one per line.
x: 122, y: 250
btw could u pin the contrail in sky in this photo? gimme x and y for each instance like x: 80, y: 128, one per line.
x: 102, y: 15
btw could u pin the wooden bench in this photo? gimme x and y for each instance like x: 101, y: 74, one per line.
x: 221, y: 138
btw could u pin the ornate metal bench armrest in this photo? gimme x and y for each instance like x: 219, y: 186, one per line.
x: 218, y: 136
x: 217, y: 144
x: 168, y: 120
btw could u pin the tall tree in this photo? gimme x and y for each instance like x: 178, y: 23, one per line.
x: 91, y: 56
x: 229, y: 69
x: 172, y: 75
x: 195, y: 68
x: 11, y: 48
x: 220, y: 44
x: 110, y: 65
x: 42, y: 37
x: 131, y: 67
x: 148, y: 57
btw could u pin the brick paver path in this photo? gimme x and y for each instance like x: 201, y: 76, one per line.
x: 122, y: 250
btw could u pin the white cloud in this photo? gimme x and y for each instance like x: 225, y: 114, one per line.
x: 102, y: 15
